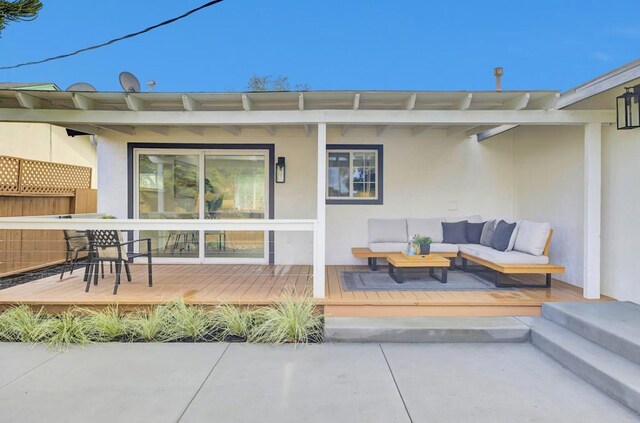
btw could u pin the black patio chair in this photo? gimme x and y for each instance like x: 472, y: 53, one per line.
x: 108, y: 245
x: 76, y: 242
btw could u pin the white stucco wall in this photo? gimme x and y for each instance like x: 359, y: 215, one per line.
x: 423, y: 176
x: 39, y: 141
x: 549, y: 186
x: 620, y: 211
x: 548, y: 182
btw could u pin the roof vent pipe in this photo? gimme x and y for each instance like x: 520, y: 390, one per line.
x: 497, y: 72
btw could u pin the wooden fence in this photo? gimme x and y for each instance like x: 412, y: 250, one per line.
x: 36, y: 188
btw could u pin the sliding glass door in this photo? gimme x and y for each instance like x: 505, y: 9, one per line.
x: 208, y: 184
x: 235, y: 188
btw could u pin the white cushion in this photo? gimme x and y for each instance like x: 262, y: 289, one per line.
x: 425, y: 227
x: 388, y: 230
x: 438, y: 247
x: 472, y: 249
x: 388, y: 247
x: 476, y: 218
x: 502, y: 257
x: 514, y: 235
x: 532, y: 237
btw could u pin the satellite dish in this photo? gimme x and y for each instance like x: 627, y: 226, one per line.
x: 129, y: 82
x: 81, y: 86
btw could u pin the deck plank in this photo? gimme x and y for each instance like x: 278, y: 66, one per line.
x: 262, y: 284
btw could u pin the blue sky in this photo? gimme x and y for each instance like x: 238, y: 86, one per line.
x: 330, y: 44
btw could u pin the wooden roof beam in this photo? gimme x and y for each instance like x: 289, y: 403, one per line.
x: 465, y: 102
x: 28, y: 101
x: 119, y: 129
x: 134, y: 103
x: 162, y: 130
x: 547, y: 102
x: 189, y: 104
x: 519, y: 102
x: 247, y: 103
x: 410, y: 102
x: 196, y: 130
x: 83, y: 102
x: 233, y: 130
x: 459, y: 129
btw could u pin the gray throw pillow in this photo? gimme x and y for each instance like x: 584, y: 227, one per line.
x: 454, y: 233
x: 474, y: 232
x: 502, y: 235
x: 486, y: 238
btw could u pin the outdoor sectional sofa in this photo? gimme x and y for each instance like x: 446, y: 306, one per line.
x: 526, y: 252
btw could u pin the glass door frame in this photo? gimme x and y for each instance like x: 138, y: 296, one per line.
x: 203, y: 151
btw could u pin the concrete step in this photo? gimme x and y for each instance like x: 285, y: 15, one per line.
x: 425, y: 329
x: 604, y: 369
x: 613, y: 325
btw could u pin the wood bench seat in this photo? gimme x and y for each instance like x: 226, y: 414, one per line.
x: 503, y: 270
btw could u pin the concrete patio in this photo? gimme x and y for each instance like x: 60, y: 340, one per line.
x: 315, y: 383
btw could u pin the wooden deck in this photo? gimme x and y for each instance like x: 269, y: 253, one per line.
x: 259, y: 285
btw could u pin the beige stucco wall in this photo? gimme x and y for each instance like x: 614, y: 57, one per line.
x: 423, y: 176
x: 39, y: 141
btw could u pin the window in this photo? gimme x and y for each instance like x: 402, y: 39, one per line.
x: 354, y: 174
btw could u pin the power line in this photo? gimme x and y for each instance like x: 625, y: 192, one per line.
x: 115, y: 40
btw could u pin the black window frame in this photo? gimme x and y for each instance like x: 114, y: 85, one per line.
x: 379, y: 174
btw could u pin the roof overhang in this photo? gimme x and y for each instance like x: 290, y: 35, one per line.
x: 457, y: 111
x: 578, y: 97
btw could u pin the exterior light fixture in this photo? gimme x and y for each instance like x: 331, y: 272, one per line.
x: 280, y: 171
x: 628, y: 108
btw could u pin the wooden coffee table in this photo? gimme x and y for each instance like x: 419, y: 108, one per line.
x: 398, y: 262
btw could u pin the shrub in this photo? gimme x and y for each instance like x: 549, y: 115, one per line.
x: 184, y: 322
x: 151, y: 325
x: 234, y: 322
x: 292, y: 319
x: 21, y: 324
x: 66, y: 329
x: 107, y: 325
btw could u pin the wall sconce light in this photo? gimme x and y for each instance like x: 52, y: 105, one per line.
x: 280, y: 171
x: 628, y: 108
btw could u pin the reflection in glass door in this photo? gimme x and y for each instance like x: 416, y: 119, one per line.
x: 235, y: 188
x: 168, y: 188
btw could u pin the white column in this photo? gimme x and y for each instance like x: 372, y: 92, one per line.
x: 592, y: 207
x: 320, y: 228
